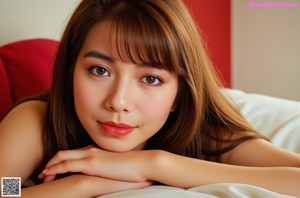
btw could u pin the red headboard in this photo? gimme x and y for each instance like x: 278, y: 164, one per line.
x: 25, y: 69
x: 213, y: 17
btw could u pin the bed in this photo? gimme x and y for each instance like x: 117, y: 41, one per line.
x: 276, y: 118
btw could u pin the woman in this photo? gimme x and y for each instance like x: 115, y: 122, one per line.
x: 134, y: 100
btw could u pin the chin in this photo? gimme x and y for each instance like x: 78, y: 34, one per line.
x: 116, y: 148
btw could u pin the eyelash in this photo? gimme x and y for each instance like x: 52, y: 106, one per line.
x: 93, y: 70
x: 157, y: 80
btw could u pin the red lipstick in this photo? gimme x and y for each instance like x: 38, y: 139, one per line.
x: 116, y: 129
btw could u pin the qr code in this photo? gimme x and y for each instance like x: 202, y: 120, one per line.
x: 11, y: 186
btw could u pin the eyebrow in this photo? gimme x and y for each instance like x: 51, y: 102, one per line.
x: 99, y: 55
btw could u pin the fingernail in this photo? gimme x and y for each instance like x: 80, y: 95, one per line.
x: 45, y: 171
x: 47, y: 179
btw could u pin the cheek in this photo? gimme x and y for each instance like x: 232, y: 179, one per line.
x: 85, y: 96
x: 157, y: 109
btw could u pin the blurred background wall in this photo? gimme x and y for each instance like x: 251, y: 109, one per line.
x: 257, y: 49
x: 266, y: 48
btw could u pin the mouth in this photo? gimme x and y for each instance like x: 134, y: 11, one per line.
x: 116, y: 129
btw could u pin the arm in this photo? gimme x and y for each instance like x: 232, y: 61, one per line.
x: 255, y: 162
x: 262, y: 153
x: 279, y: 171
x: 80, y: 186
x: 187, y: 172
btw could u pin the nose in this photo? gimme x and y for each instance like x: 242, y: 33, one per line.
x: 120, y: 98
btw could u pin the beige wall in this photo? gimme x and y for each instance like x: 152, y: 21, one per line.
x: 266, y: 48
x: 21, y: 19
x: 265, y: 41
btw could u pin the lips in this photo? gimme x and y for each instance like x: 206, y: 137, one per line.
x: 116, y: 129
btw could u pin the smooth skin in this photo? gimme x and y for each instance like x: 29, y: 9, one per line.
x: 24, y: 141
x: 142, y: 96
x: 148, y: 165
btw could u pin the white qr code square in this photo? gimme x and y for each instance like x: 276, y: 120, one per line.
x: 10, y: 186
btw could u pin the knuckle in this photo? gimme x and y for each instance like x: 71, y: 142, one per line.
x: 92, y: 149
x: 66, y: 165
x: 92, y: 161
x: 60, y: 154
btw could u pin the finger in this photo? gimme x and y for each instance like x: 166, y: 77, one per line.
x: 61, y: 156
x: 70, y: 154
x: 65, y: 167
x: 67, y: 155
x: 41, y: 176
x: 49, y: 178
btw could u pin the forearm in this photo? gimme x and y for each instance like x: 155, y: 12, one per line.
x: 186, y: 172
x: 66, y: 187
x: 80, y: 186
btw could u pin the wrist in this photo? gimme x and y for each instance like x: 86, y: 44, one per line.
x: 157, y: 163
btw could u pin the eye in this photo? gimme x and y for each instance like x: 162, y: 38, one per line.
x: 99, y: 71
x: 152, y: 80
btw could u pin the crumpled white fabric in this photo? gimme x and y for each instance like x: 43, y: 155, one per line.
x: 222, y: 190
x: 230, y: 190
x: 276, y: 118
x: 157, y: 192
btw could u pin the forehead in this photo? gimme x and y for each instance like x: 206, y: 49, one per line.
x: 98, y: 37
x: 130, y: 41
x: 118, y: 42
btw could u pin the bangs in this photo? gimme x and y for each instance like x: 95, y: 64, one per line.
x: 132, y: 35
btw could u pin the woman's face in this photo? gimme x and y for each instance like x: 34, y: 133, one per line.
x: 120, y: 104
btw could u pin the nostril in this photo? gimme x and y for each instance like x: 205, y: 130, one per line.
x: 111, y: 108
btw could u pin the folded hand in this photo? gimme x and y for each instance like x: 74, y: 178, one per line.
x: 92, y: 160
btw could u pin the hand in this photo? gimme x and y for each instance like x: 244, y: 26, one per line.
x: 97, y: 186
x: 91, y: 160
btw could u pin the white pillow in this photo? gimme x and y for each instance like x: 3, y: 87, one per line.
x: 224, y: 190
x: 276, y: 118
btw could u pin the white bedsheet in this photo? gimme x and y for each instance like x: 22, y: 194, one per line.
x: 224, y: 190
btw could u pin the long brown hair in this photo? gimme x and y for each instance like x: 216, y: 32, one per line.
x: 158, y: 31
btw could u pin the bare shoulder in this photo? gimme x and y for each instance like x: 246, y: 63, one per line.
x: 20, y: 139
x: 29, y: 114
x: 260, y: 152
